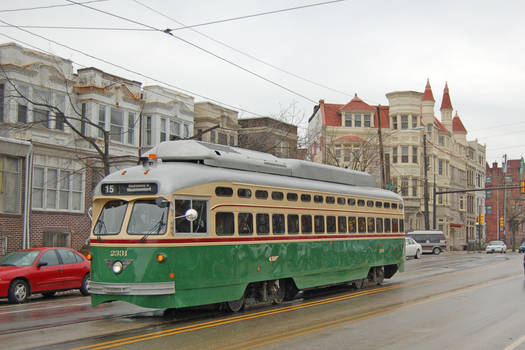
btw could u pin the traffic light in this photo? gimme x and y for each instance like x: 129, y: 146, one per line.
x: 481, y: 219
x: 501, y: 223
x: 522, y: 187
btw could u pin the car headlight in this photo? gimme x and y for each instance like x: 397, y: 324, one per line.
x: 117, y: 267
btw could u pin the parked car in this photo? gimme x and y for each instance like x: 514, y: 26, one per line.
x: 42, y: 270
x: 412, y: 248
x: 432, y: 241
x: 522, y: 247
x: 496, y: 247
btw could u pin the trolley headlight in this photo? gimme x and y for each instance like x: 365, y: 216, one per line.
x: 117, y: 267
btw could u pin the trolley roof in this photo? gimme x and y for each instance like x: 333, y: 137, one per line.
x: 243, y: 159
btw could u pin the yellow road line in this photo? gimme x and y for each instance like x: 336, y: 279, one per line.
x: 234, y: 319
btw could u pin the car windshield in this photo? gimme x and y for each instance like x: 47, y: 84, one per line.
x: 148, y: 218
x: 110, y: 219
x: 21, y: 258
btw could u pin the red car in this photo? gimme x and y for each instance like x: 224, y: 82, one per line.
x: 42, y: 270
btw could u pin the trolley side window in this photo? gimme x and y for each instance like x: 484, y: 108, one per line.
x: 341, y: 224
x: 245, y: 224
x: 183, y: 226
x: 111, y: 218
x: 293, y: 224
x: 306, y: 224
x: 278, y: 224
x: 224, y: 224
x: 352, y: 224
x: 263, y: 224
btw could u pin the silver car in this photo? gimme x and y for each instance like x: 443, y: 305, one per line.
x: 412, y: 248
x: 496, y: 247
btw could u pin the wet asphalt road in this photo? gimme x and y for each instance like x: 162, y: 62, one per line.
x: 451, y: 301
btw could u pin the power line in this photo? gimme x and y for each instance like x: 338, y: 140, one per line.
x: 168, y: 31
x: 121, y: 67
x: 255, y: 15
x: 246, y: 54
x: 47, y: 7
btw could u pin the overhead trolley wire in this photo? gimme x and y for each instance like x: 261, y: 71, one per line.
x: 119, y: 66
x: 168, y: 32
x: 247, y: 54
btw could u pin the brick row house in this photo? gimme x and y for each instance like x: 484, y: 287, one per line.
x: 346, y: 135
x: 54, y: 126
x: 505, y: 207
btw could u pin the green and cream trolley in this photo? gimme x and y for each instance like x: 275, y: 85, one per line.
x: 201, y: 223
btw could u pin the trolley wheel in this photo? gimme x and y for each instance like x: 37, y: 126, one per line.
x: 236, y: 305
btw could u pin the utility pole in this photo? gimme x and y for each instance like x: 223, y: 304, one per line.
x: 425, y: 189
x: 381, y: 150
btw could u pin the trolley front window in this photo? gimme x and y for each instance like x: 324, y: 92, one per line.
x: 111, y: 218
x: 148, y: 218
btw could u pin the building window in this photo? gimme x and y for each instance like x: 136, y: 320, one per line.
x: 10, y: 185
x: 162, y: 129
x: 40, y: 117
x: 131, y: 128
x: 357, y: 120
x: 394, y: 155
x: 366, y: 118
x: 148, y: 130
x: 404, y: 187
x: 414, y: 154
x: 348, y: 120
x: 22, y: 113
x: 404, y: 122
x: 57, y: 189
x: 174, y: 130
x: 394, y: 122
x: 116, y: 124
x: 404, y: 154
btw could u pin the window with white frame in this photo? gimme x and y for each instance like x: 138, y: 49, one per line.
x: 117, y: 124
x: 163, y: 129
x: 148, y: 132
x: 348, y: 120
x: 57, y: 189
x: 366, y: 118
x: 357, y: 120
x: 131, y: 128
x: 174, y: 130
x: 101, y: 120
x: 10, y: 185
x: 404, y: 122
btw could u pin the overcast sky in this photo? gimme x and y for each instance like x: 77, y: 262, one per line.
x: 364, y: 47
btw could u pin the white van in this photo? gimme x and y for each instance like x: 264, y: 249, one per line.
x: 431, y: 241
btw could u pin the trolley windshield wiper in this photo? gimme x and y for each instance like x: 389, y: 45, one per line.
x: 157, y: 227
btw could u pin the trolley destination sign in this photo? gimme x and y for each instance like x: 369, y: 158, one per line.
x: 128, y: 189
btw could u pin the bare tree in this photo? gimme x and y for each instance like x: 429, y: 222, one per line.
x: 44, y: 112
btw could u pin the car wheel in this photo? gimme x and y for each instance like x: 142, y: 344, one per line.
x: 18, y: 291
x: 418, y: 254
x: 84, y: 286
x: 436, y: 251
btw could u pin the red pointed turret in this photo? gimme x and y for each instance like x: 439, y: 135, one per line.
x: 457, y: 125
x: 445, y: 103
x: 427, y: 96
